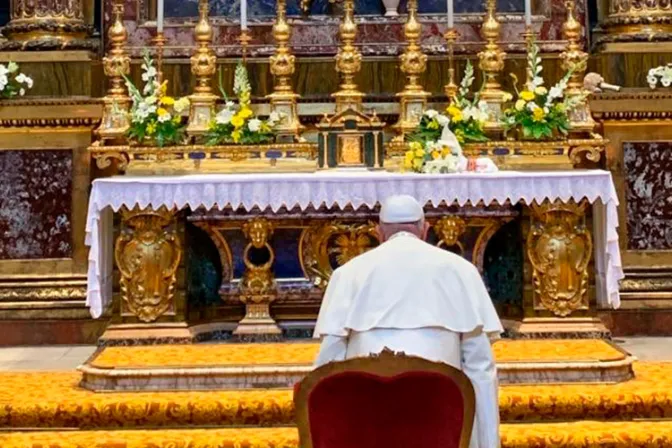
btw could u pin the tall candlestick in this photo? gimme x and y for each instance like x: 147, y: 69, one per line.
x: 528, y: 13
x: 451, y: 20
x: 243, y: 14
x: 159, y: 16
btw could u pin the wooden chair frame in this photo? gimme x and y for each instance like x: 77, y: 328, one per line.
x: 387, y: 364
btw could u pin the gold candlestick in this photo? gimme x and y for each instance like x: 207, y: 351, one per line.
x: 244, y: 40
x: 491, y: 63
x: 576, y: 60
x: 348, y: 62
x: 283, y: 99
x: 413, y: 63
x: 116, y: 65
x: 451, y: 88
x: 203, y: 67
x: 159, y: 42
x: 529, y: 36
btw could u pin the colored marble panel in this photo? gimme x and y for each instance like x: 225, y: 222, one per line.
x: 648, y: 170
x: 266, y: 8
x: 503, y: 266
x: 35, y: 204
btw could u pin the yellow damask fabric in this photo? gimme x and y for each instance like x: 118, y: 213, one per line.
x: 555, y: 435
x: 54, y: 400
x: 305, y: 353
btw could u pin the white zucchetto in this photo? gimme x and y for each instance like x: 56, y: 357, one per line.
x: 401, y: 209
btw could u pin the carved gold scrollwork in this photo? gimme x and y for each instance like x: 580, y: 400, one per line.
x: 559, y: 247
x: 258, y: 285
x: 148, y: 252
x: 323, y: 242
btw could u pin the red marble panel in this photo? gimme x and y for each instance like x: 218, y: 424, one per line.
x: 648, y: 170
x: 35, y: 204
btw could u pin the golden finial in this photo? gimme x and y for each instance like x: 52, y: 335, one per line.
x: 348, y: 61
x: 491, y: 63
x: 413, y: 64
x: 116, y: 65
x: 203, y: 67
x: 283, y: 99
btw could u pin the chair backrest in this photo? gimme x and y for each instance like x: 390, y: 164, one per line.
x: 385, y: 401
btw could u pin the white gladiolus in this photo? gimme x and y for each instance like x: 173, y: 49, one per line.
x: 149, y: 74
x: 12, y: 67
x: 224, y: 116
x: 254, y: 125
x: 165, y: 117
x: 22, y: 92
x: 442, y: 120
x: 3, y: 82
x: 431, y: 114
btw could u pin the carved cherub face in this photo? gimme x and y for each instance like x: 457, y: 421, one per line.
x: 449, y: 230
x: 257, y: 232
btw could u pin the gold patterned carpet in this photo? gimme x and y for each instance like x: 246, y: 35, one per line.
x: 54, y: 400
x: 305, y: 353
x: 570, y: 435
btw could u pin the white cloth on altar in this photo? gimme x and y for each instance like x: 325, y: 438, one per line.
x: 412, y: 297
x: 340, y: 189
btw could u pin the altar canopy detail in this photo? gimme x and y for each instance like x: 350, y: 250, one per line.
x: 339, y: 189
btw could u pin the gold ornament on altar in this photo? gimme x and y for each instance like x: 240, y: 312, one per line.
x: 449, y: 229
x: 283, y: 99
x: 258, y: 287
x: 148, y: 253
x: 491, y: 62
x: 348, y: 62
x: 321, y: 241
x: 117, y: 65
x: 413, y: 63
x: 203, y: 67
x: 575, y: 61
x: 559, y: 247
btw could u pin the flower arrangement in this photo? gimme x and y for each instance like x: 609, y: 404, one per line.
x: 237, y: 123
x: 541, y: 113
x: 465, y: 118
x: 662, y: 75
x: 154, y: 115
x: 12, y: 82
x: 432, y: 152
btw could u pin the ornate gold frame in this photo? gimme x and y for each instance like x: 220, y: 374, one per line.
x: 387, y: 364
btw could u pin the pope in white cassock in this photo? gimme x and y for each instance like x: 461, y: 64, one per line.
x: 409, y: 296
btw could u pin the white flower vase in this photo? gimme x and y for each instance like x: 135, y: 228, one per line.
x: 391, y: 7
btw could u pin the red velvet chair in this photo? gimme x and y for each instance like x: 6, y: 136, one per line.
x: 385, y: 401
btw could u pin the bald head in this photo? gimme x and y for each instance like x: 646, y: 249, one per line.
x: 401, y: 213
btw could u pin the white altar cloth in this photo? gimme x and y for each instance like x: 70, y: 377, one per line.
x: 341, y: 188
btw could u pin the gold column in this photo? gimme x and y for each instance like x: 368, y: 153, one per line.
x: 257, y: 287
x: 576, y: 60
x: 413, y: 62
x: 491, y: 62
x: 638, y: 20
x: 283, y: 99
x: 46, y: 20
x: 348, y: 62
x: 451, y: 88
x: 203, y: 67
x: 148, y: 252
x: 116, y: 64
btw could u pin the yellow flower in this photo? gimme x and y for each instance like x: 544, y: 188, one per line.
x: 455, y: 113
x: 419, y: 152
x: 235, y: 135
x: 527, y: 95
x: 541, y: 90
x: 520, y: 105
x: 245, y: 112
x: 177, y: 119
x: 435, y: 154
x: 167, y: 100
x: 409, y: 156
x: 417, y: 164
x: 445, y: 151
x: 414, y: 146
x: 538, y: 114
x: 238, y: 121
x: 433, y: 124
x: 161, y: 112
x: 507, y: 97
x: 163, y: 88
x: 151, y: 128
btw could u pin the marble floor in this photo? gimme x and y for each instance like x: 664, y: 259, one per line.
x: 67, y: 357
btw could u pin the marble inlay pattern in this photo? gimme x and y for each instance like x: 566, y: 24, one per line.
x: 35, y: 204
x: 317, y: 33
x: 648, y: 168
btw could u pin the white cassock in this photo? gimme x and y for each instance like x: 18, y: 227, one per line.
x: 412, y: 297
